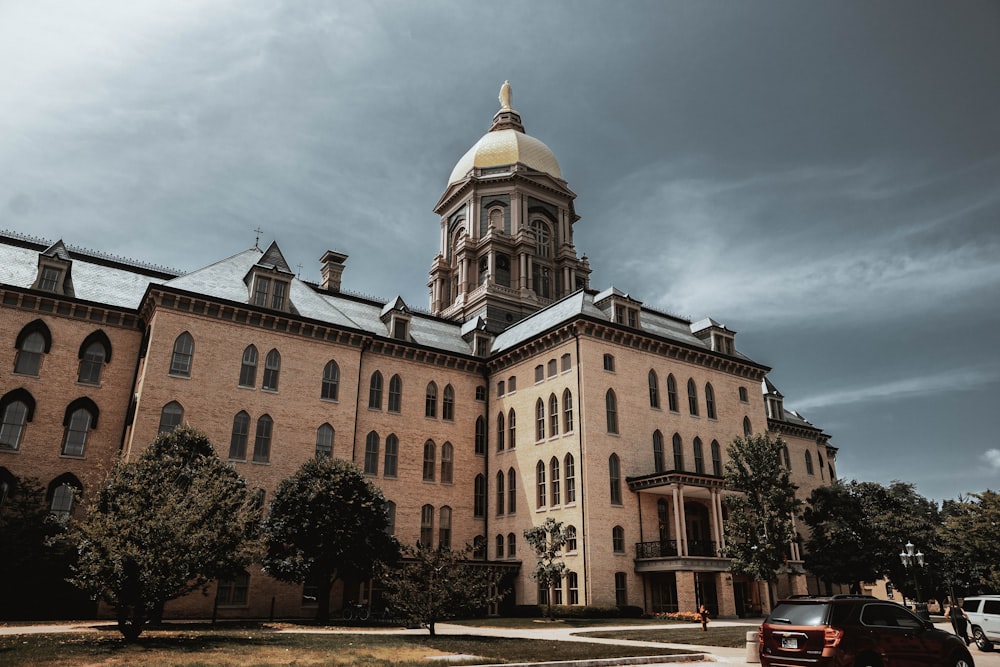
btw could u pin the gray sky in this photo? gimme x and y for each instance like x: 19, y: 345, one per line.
x: 820, y: 177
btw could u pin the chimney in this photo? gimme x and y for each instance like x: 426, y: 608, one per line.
x: 333, y: 269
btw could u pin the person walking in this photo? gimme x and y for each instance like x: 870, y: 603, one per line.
x: 703, y: 614
x: 959, y: 621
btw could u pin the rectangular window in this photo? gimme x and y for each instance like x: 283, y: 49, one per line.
x: 391, y: 456
x: 573, y: 587
x: 567, y: 363
x: 500, y: 388
x: 50, y: 279
x: 539, y: 373
x: 278, y: 296
x: 399, y: 329
x: 512, y: 384
x: 263, y: 286
x: 633, y: 318
x: 743, y: 395
x: 621, y: 592
x: 609, y: 363
x: 552, y: 368
x: 233, y: 592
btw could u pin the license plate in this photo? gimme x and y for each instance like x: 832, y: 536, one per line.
x: 789, y: 642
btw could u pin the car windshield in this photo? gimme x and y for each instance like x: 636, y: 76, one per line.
x: 798, y: 614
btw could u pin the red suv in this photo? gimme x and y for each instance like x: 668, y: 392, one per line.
x: 854, y: 631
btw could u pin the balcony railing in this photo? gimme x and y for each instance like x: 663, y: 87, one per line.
x: 668, y: 549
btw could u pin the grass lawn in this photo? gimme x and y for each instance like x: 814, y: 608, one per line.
x: 732, y: 636
x: 260, y: 645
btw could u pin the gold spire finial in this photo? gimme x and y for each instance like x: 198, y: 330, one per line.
x: 505, y: 97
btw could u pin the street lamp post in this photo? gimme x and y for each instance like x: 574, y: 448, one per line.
x: 912, y: 558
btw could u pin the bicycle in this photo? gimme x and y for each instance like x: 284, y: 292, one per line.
x: 356, y: 611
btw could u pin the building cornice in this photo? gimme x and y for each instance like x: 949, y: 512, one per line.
x: 47, y: 303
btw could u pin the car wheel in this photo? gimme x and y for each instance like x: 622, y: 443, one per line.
x: 962, y: 661
x: 982, y: 643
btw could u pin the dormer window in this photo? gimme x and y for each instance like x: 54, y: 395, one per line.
x: 269, y: 280
x: 399, y: 328
x: 722, y: 343
x: 396, y: 316
x: 269, y: 292
x: 50, y: 279
x: 620, y: 307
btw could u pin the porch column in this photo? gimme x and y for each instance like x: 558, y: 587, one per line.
x: 680, y: 525
x: 718, y: 513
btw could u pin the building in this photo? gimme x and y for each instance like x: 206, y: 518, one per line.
x: 523, y: 394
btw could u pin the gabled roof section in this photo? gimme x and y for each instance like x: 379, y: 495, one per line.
x: 397, y: 305
x: 58, y: 251
x: 768, y: 388
x: 707, y: 323
x: 274, y: 260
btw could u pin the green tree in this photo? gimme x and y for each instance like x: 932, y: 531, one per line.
x: 325, y: 522
x: 163, y: 526
x: 760, y: 526
x: 547, y: 541
x: 970, y: 541
x: 432, y: 585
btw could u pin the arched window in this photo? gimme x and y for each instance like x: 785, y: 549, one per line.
x: 330, y: 389
x: 553, y: 415
x: 785, y: 457
x: 819, y: 461
x: 511, y: 545
x: 262, y: 440
x: 540, y: 496
x: 572, y: 587
x: 180, y: 361
x: 699, y: 457
x: 94, y: 353
x: 500, y: 551
x: 32, y: 342
x: 375, y: 392
x: 567, y: 411
x: 716, y: 459
x: 479, y: 496
x: 391, y: 463
x: 678, y: 452
x: 615, y: 479
x: 710, y: 401
x: 431, y: 400
x: 81, y: 416
x: 372, y: 443
x: 571, y: 539
x: 658, y: 464
x: 430, y: 458
x: 17, y: 409
x: 171, y: 417
x: 692, y: 398
x: 501, y: 492
x: 427, y: 525
x: 395, y: 394
x: 248, y: 367
x: 672, y: 393
x: 324, y: 440
x: 62, y: 494
x: 618, y: 540
x: 569, y: 470
x: 238, y: 438
x: 554, y: 485
x: 747, y: 430
x: 539, y: 420
x: 611, y: 408
x: 654, y: 390
x: 444, y: 529
x: 390, y: 515
x: 501, y: 427
x: 447, y: 463
x: 809, y: 463
x: 272, y: 367
x: 448, y: 404
x: 511, y: 429
x: 480, y: 445
x: 511, y: 492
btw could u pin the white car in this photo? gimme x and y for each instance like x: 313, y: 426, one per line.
x: 984, y: 617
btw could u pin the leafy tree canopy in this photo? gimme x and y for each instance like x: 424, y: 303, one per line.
x: 325, y: 522
x: 547, y: 541
x: 970, y: 542
x: 164, y: 526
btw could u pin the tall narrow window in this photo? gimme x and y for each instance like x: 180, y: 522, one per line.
x: 621, y: 590
x: 511, y: 492
x: 62, y: 502
x: 444, y: 529
x: 572, y: 588
x: 78, y: 423
x: 567, y: 411
x: 448, y: 404
x: 431, y: 400
x: 501, y: 428
x: 170, y: 417
x: 262, y: 287
x: 479, y: 496
x: 692, y: 398
x: 180, y: 361
x: 330, y: 389
x: 511, y: 545
x: 391, y: 463
x: 747, y: 429
x: 554, y: 484
x: 501, y: 493
x: 92, y: 359
x: 618, y: 540
x: 785, y: 457
x: 615, y: 478
x: 278, y: 295
x: 699, y: 457
x: 540, y: 484
x: 566, y: 362
x: 390, y: 515
x: 238, y: 438
x: 809, y: 463
x: 539, y: 373
x: 324, y: 440
x: 539, y: 420
x: 500, y: 551
x: 29, y: 354
x: 716, y: 459
x: 447, y: 463
x: 553, y: 415
x: 427, y: 525
x: 672, y: 393
x: 569, y: 468
x: 709, y: 401
x: 372, y: 443
x: 511, y: 429
x: 678, y: 452
x: 430, y: 458
x: 272, y: 368
x: 611, y: 408
x: 15, y: 416
x: 480, y: 444
x: 658, y: 464
x: 571, y: 539
x: 395, y: 403
x: 262, y: 441
x: 654, y: 390
x: 375, y: 392
x: 248, y: 367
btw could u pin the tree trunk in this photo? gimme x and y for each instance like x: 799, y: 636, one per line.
x: 323, y: 587
x: 130, y: 626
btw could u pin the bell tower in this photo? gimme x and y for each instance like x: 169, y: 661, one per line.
x: 507, y: 216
